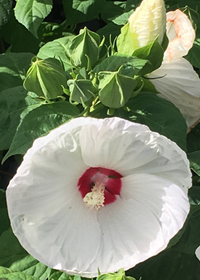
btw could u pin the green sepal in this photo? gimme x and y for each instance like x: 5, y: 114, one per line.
x: 125, y: 42
x: 152, y: 52
x: 85, y: 48
x: 46, y: 78
x: 115, y: 88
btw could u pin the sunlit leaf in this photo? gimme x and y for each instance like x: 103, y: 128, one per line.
x: 12, y: 103
x: 13, y: 67
x: 31, y: 13
x: 39, y: 122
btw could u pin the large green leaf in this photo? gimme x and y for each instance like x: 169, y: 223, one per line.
x: 8, y: 274
x: 10, y: 249
x: 192, y: 143
x: 18, y: 37
x: 159, y: 115
x: 114, y: 62
x: 77, y: 11
x: 112, y: 9
x: 31, y: 13
x: 59, y: 49
x: 58, y: 275
x: 30, y: 266
x: 170, y: 264
x: 193, y: 55
x: 12, y: 103
x: 13, y: 67
x: 39, y: 122
x: 194, y: 158
x: 4, y: 221
x: 5, y: 8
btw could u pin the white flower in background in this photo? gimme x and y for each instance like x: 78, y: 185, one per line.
x: 99, y: 193
x: 180, y: 33
x: 148, y: 22
x: 176, y: 79
x: 197, y: 253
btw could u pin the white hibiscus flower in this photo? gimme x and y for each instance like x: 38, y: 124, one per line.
x: 176, y: 79
x: 147, y: 23
x: 99, y: 193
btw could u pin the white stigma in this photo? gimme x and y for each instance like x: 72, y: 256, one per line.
x: 95, y: 199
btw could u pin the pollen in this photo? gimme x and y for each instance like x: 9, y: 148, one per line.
x: 94, y: 200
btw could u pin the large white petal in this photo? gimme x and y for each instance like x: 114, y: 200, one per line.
x: 133, y: 149
x: 140, y: 224
x: 177, y: 82
x: 45, y: 207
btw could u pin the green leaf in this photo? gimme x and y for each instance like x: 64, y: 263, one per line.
x: 192, y: 143
x: 190, y: 238
x: 13, y: 256
x: 114, y: 62
x: 159, y: 115
x: 10, y: 249
x: 153, y: 52
x: 194, y: 159
x: 123, y: 18
x: 194, y: 195
x: 59, y: 49
x: 32, y: 267
x: 12, y: 103
x: 112, y: 9
x: 58, y: 275
x: 110, y: 30
x: 8, y: 274
x: 169, y: 264
x: 31, y: 13
x: 193, y: 55
x: 125, y: 42
x: 77, y: 11
x: 4, y: 220
x: 5, y: 8
x: 39, y: 122
x: 120, y: 275
x: 13, y: 67
x: 14, y: 33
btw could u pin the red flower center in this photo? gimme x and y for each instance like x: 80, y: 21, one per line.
x: 100, y: 186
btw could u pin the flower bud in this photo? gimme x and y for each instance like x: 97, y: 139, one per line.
x: 46, y: 78
x: 85, y: 48
x: 147, y: 23
x: 115, y: 88
x: 81, y: 90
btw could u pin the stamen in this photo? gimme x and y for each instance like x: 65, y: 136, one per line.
x: 95, y: 199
